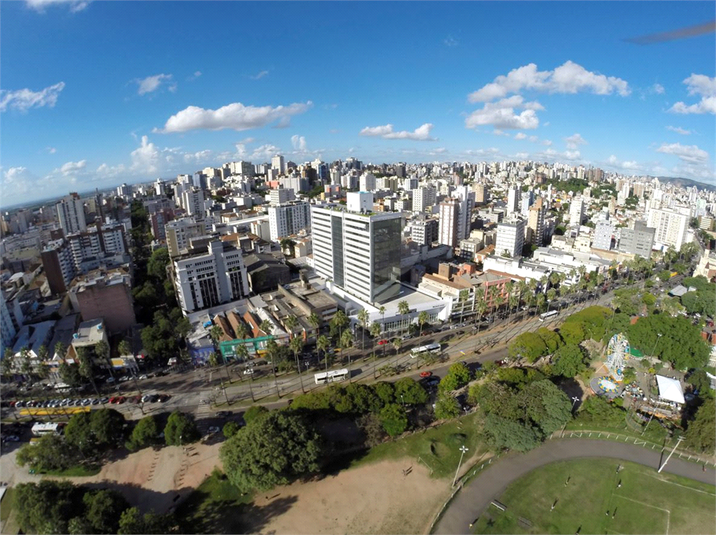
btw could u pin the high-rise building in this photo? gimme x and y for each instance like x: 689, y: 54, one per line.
x: 423, y: 198
x: 638, y: 240
x: 447, y: 234
x: 180, y: 232
x: 358, y: 252
x: 510, y: 238
x: 513, y: 199
x: 124, y: 191
x: 367, y: 182
x: 670, y: 226
x: 59, y: 266
x: 241, y: 168
x: 603, y: 234
x: 535, y: 223
x: 160, y: 187
x: 424, y: 232
x: 210, y: 277
x: 281, y: 196
x: 71, y: 214
x: 289, y: 218
x: 277, y: 162
x: 527, y: 199
x: 7, y: 329
x: 193, y: 202
x: 576, y: 211
x: 481, y: 194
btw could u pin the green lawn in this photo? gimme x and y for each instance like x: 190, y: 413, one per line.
x: 214, y: 507
x: 438, y: 447
x: 646, y: 502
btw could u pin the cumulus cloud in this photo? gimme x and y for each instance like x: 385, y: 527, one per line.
x: 146, y: 158
x: 687, y: 153
x: 679, y: 130
x: 698, y: 85
x: 502, y: 114
x: 520, y: 135
x: 71, y: 168
x: 298, y: 142
x: 657, y: 89
x: 235, y: 116
x: 422, y: 133
x: 74, y: 5
x: 152, y: 83
x: 110, y: 171
x: 259, y: 75
x: 574, y: 141
x: 25, y: 99
x: 194, y: 76
x: 567, y: 78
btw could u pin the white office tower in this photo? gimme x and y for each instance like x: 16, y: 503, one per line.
x: 241, y: 168
x: 356, y: 252
x: 193, y: 202
x: 160, y: 187
x: 576, y: 211
x: 281, y: 196
x: 211, y: 278
x: 447, y: 232
x: 510, y: 238
x: 367, y: 182
x: 287, y: 219
x: 71, y: 214
x: 527, y: 199
x: 278, y: 164
x: 464, y: 216
x: 423, y: 198
x: 7, y: 329
x: 124, y: 191
x: 335, y: 177
x: 360, y: 201
x: 513, y: 199
x: 670, y: 225
x: 603, y: 233
x: 180, y: 232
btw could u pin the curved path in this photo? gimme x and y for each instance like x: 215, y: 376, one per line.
x: 492, y: 482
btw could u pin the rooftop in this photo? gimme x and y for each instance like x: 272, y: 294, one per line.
x: 89, y: 333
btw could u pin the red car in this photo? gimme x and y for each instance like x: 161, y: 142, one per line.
x: 425, y: 374
x: 120, y: 399
x: 381, y: 342
x: 113, y: 400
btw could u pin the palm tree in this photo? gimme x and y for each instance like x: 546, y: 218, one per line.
x: 213, y: 359
x: 363, y: 318
x: 551, y: 294
x: 422, y: 320
x: 403, y: 309
x: 322, y: 344
x: 346, y: 342
x: 242, y: 353
x: 124, y: 348
x: 266, y: 327
x: 339, y: 322
x: 492, y: 292
x: 7, y: 362
x: 382, y: 315
x: 215, y: 333
x: 314, y: 320
x: 541, y: 301
x: 375, y: 332
x: 60, y: 350
x: 291, y: 322
x: 481, y: 307
x: 288, y: 243
x: 241, y: 330
x: 296, y: 345
x: 397, y: 344
x: 272, y: 350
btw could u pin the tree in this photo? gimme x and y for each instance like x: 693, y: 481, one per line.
x: 458, y: 375
x: 266, y: 327
x: 101, y: 349
x: 550, y: 338
x: 157, y: 264
x: 363, y: 318
x: 254, y: 413
x: 180, y: 429
x: 230, y: 429
x: 125, y: 349
x: 78, y: 433
x: 145, y: 433
x: 397, y: 344
x: 680, y: 342
x: 322, y: 344
x: 546, y: 406
x: 51, y: 452
x: 8, y: 362
x: 107, y: 426
x: 422, y: 320
x: 291, y: 322
x: 337, y: 324
x: 403, y: 308
x: 393, y: 419
x: 446, y: 407
x: 569, y: 361
x: 79, y: 526
x: 272, y: 451
x: 314, y: 320
x: 529, y: 346
x: 502, y: 433
x: 47, y: 506
x: 572, y: 333
x: 70, y: 374
x: 701, y: 433
x: 132, y: 522
x: 410, y: 392
x: 385, y: 392
x: 346, y: 340
x: 103, y: 509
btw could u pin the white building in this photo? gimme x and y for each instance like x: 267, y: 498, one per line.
x: 367, y: 182
x: 281, y: 196
x: 180, y: 232
x: 423, y: 198
x: 513, y: 199
x: 358, y: 252
x: 670, y: 225
x: 7, y: 329
x: 71, y: 214
x: 510, y: 238
x: 124, y: 191
x: 277, y: 163
x: 576, y: 211
x: 603, y: 233
x: 212, y: 278
x: 288, y: 218
x: 192, y: 201
x: 447, y: 234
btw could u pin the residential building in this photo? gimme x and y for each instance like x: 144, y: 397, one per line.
x: 510, y: 238
x: 7, y: 329
x: 124, y: 191
x: 281, y: 196
x: 158, y: 221
x: 277, y: 162
x: 367, y: 182
x: 447, y: 234
x: 59, y: 265
x: 513, y: 199
x: 71, y: 214
x: 535, y: 223
x: 358, y: 251
x: 424, y: 232
x: 208, y: 277
x: 180, y: 232
x: 670, y: 226
x: 576, y: 211
x: 638, y: 240
x: 603, y: 235
x: 288, y: 219
x: 424, y: 197
x: 105, y: 295
x: 266, y: 272
x: 192, y: 200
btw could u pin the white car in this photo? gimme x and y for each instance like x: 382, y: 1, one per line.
x: 213, y: 429
x: 143, y: 376
x: 248, y: 371
x: 110, y: 380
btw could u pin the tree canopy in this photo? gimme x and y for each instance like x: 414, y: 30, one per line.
x: 180, y: 429
x: 680, y: 342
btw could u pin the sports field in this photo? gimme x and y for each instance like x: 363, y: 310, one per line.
x: 589, y: 496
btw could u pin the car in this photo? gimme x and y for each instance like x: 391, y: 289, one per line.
x: 12, y: 403
x: 19, y: 404
x: 425, y: 374
x: 249, y: 371
x: 153, y: 398
x: 110, y: 380
x: 124, y: 378
x: 164, y: 397
x: 405, y: 337
x: 223, y: 414
x: 382, y: 342
x: 145, y: 398
x: 86, y: 402
x: 113, y: 400
x: 213, y: 429
x: 121, y: 399
x: 96, y: 401
x: 11, y: 438
x: 143, y: 376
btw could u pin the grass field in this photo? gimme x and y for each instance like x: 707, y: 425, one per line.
x: 593, y: 502
x: 438, y: 448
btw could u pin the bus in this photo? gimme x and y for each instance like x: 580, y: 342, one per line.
x: 47, y: 428
x: 549, y: 314
x: 331, y: 376
x: 425, y: 350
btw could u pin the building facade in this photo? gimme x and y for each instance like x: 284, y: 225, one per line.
x: 71, y: 214
x: 288, y: 219
x: 510, y: 238
x: 638, y: 240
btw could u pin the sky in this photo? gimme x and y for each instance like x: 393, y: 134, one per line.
x: 96, y: 93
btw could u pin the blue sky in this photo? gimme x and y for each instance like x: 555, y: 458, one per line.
x: 96, y: 93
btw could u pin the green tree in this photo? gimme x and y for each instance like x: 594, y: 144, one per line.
x: 502, y: 433
x: 157, y: 265
x: 550, y: 338
x: 107, y: 427
x: 403, y: 308
x: 7, y: 362
x: 572, y: 333
x: 701, y: 433
x: 145, y: 433
x: 70, y: 374
x: 337, y: 324
x: 47, y: 506
x: 271, y: 451
x: 446, y: 407
x: 230, y: 429
x: 125, y: 348
x: 79, y: 526
x: 180, y: 429
x: 101, y: 349
x: 393, y: 419
x: 385, y: 392
x: 255, y: 412
x: 529, y: 346
x: 569, y: 361
x: 458, y: 375
x: 546, y: 406
x: 79, y: 434
x: 50, y: 453
x: 103, y: 509
x: 132, y: 522
x: 323, y: 344
x: 410, y: 392
x: 422, y: 320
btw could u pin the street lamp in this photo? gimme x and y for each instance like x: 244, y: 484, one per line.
x: 678, y: 441
x: 463, y: 449
x: 656, y: 344
x: 575, y: 399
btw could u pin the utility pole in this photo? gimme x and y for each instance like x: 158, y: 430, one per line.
x: 463, y: 449
x: 678, y: 441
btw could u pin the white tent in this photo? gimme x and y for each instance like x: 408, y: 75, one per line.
x: 670, y: 389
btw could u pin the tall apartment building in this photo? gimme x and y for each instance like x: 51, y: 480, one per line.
x: 367, y: 182
x: 179, y: 233
x: 510, y: 238
x: 106, y: 296
x: 241, y: 168
x: 603, y: 234
x: 638, y: 240
x: 277, y: 162
x: 481, y: 194
x: 71, y: 214
x: 160, y: 187
x: 7, y: 329
x: 527, y: 199
x: 59, y: 265
x: 535, y: 223
x: 576, y: 211
x: 358, y: 252
x: 211, y: 277
x: 97, y: 242
x: 424, y: 232
x: 447, y: 234
x: 289, y: 218
x: 423, y: 198
x: 124, y: 191
x: 158, y: 221
x: 192, y: 200
x: 670, y: 226
x: 513, y: 199
x: 296, y: 183
x: 281, y: 196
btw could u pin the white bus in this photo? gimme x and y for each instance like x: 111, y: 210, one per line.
x: 49, y: 428
x: 331, y: 376
x: 424, y: 350
x: 549, y: 314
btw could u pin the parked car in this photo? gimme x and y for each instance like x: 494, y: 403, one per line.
x: 425, y: 374
x: 223, y: 414
x: 143, y: 376
x: 249, y: 371
x: 164, y: 397
x: 11, y: 438
x: 213, y: 429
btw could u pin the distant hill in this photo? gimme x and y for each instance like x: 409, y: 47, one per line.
x: 687, y: 182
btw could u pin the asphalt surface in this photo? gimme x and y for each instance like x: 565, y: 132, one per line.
x: 472, y: 500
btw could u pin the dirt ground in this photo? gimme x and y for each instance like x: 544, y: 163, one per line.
x: 374, y: 498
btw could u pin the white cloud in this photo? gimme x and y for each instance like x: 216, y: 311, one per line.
x: 298, y: 142
x: 146, y: 158
x: 110, y: 171
x: 263, y: 153
x: 502, y: 115
x: 152, y: 83
x: 574, y: 141
x: 71, y: 168
x: 703, y: 86
x: 422, y: 133
x: 567, y: 78
x: 194, y: 76
x: 572, y: 155
x: 679, y: 130
x: 521, y: 155
x: 51, y: 150
x: 235, y: 116
x: 520, y: 135
x: 658, y: 89
x: 259, y: 75
x: 450, y: 41
x: 499, y: 132
x: 24, y: 99
x: 687, y: 153
x: 40, y: 5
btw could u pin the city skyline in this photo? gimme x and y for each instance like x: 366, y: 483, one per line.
x: 130, y: 92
